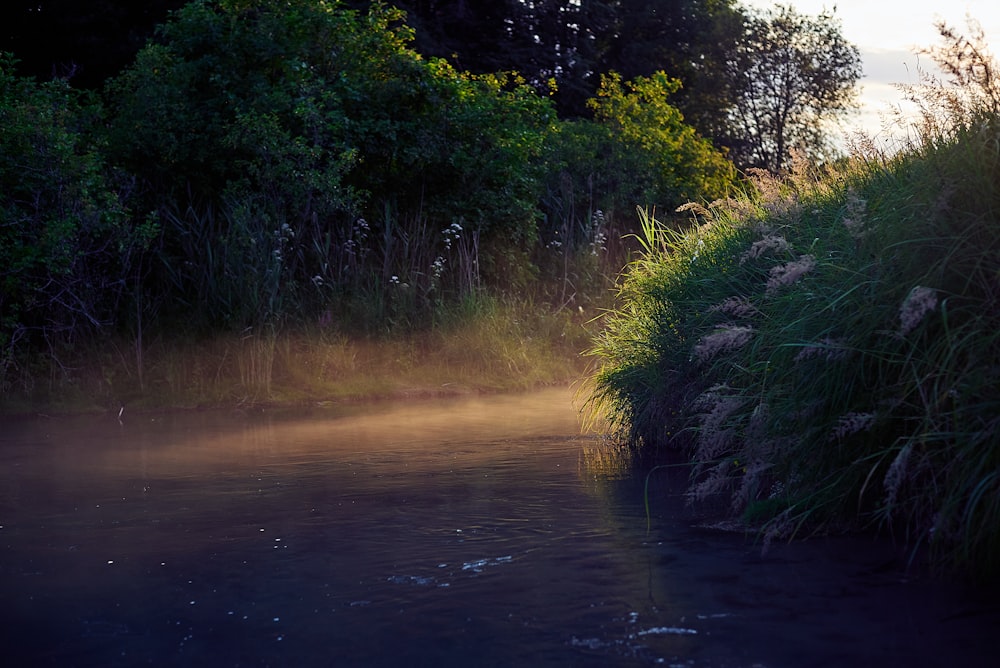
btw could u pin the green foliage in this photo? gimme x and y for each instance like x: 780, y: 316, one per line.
x: 675, y: 164
x: 298, y: 162
x: 65, y: 245
x: 826, y: 351
x: 646, y: 377
x: 571, y: 43
x: 692, y: 40
x: 328, y: 155
x: 636, y: 151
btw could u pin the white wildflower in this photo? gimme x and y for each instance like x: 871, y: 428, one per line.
x: 699, y: 247
x: 437, y: 269
x: 450, y: 234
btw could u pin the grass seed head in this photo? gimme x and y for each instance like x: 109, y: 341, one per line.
x: 787, y: 274
x: 725, y: 338
x: 771, y: 243
x: 918, y: 303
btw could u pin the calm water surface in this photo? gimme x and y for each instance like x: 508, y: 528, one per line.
x: 462, y: 532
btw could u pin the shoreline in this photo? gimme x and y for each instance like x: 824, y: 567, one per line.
x: 299, y: 369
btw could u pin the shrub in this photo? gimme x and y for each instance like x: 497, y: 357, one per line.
x: 307, y: 148
x: 66, y: 246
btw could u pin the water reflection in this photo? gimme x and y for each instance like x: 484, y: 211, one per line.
x: 485, y: 531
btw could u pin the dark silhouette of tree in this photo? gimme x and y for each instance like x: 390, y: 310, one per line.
x: 691, y: 40
x: 791, y: 74
x: 572, y: 43
x: 469, y: 33
x: 84, y: 41
x: 547, y: 41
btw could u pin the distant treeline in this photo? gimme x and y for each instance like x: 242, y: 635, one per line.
x: 567, y: 42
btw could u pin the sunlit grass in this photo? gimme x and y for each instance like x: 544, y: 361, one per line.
x: 484, y: 346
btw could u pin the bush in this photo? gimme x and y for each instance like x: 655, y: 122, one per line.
x: 636, y: 151
x: 66, y: 246
x: 305, y: 152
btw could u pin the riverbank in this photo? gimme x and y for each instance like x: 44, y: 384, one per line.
x: 505, y: 347
x: 825, y: 353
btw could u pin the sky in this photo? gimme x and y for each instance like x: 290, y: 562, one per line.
x: 887, y: 32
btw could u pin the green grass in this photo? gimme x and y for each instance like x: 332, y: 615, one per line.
x: 827, y: 351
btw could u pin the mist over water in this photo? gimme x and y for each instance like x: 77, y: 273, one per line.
x: 486, y: 531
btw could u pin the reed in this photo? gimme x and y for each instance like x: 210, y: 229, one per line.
x: 255, y: 364
x: 825, y: 352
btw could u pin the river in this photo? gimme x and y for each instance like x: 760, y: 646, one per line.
x: 482, y: 531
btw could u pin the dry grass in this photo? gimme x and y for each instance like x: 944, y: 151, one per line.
x: 502, y: 347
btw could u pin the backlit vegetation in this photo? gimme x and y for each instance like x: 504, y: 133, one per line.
x: 270, y: 170
x: 825, y: 348
x: 483, y: 345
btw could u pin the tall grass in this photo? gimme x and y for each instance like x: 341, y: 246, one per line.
x: 482, y: 344
x: 234, y: 265
x: 826, y: 350
x: 255, y: 361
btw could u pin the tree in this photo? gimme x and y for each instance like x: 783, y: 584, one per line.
x: 690, y: 40
x: 636, y: 151
x: 573, y: 43
x: 790, y: 75
x: 545, y: 41
x: 678, y: 165
x: 86, y: 42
